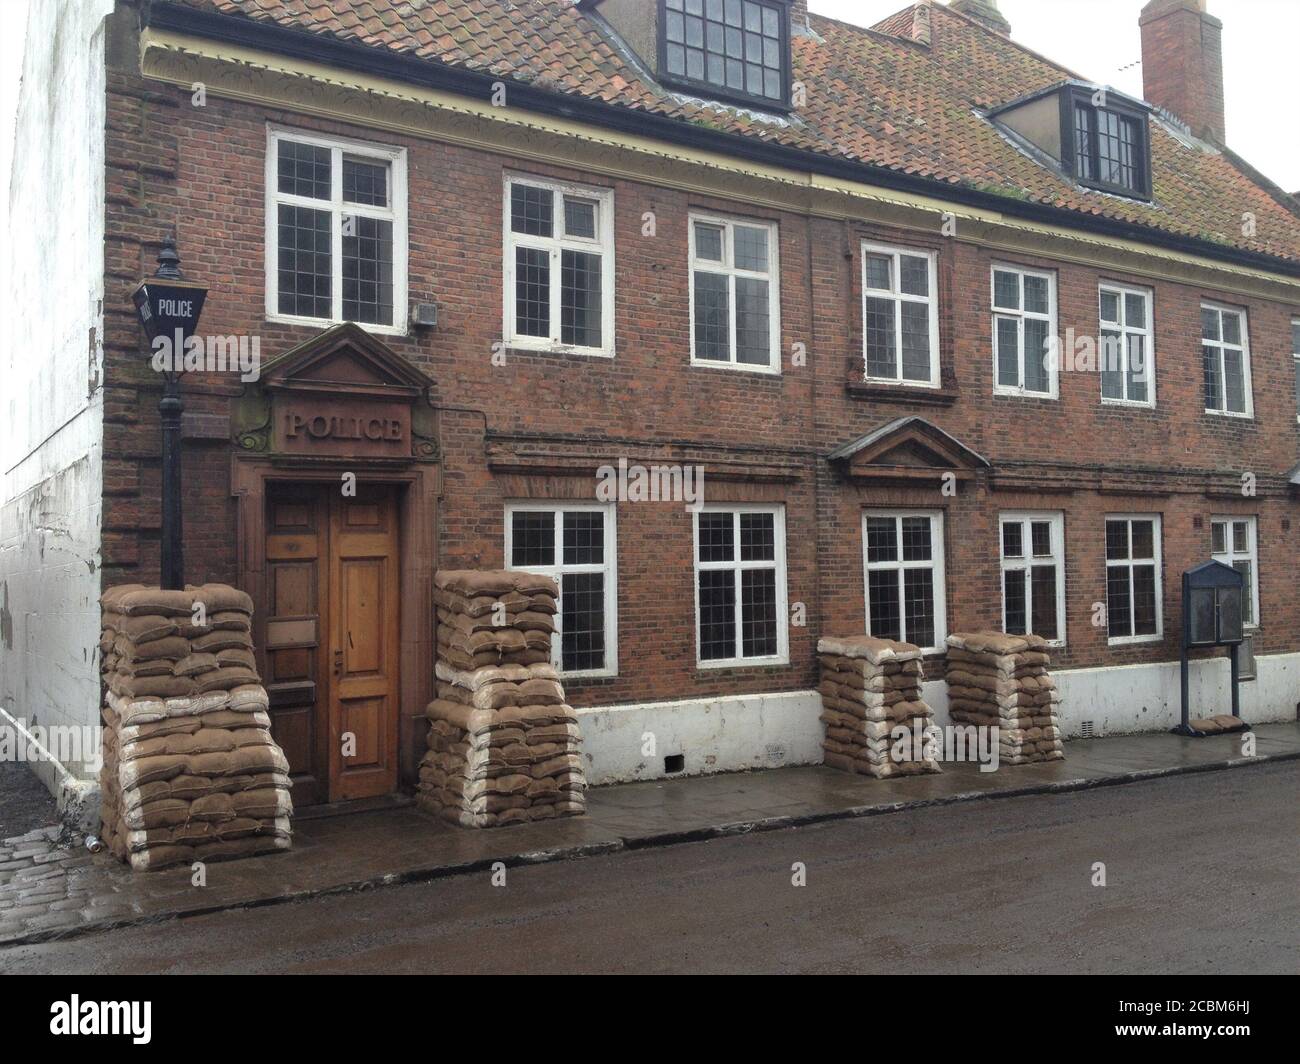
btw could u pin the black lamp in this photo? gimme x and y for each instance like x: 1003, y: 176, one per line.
x: 168, y: 307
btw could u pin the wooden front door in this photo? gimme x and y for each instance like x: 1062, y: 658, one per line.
x: 332, y: 637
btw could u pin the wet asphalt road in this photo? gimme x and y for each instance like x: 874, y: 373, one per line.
x: 1202, y: 874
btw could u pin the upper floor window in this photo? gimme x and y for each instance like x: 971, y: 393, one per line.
x: 900, y: 315
x: 1295, y: 354
x: 1127, y: 363
x: 1024, y: 323
x: 336, y: 231
x: 729, y: 49
x: 559, y: 267
x: 1226, y: 352
x: 735, y: 315
x: 1106, y: 143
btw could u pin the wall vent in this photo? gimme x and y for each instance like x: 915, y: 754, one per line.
x: 1085, y: 730
x: 674, y: 763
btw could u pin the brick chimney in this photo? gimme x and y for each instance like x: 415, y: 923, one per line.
x: 984, y: 12
x: 799, y: 15
x: 1182, y: 63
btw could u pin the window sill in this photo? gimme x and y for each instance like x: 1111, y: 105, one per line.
x: 1017, y: 393
x: 329, y: 323
x: 1128, y: 404
x: 1134, y: 640
x: 1231, y: 414
x: 743, y: 663
x: 736, y: 367
x: 902, y: 393
x: 520, y: 345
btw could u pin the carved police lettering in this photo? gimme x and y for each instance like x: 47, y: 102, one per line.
x: 305, y: 427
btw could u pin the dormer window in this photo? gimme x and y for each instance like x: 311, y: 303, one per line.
x: 734, y: 50
x: 1108, y: 146
x: 1095, y: 136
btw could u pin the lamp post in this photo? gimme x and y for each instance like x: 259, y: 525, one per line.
x: 168, y: 307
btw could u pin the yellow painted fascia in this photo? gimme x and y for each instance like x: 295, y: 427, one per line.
x: 310, y: 88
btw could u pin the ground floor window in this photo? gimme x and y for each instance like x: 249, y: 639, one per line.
x: 574, y: 544
x: 740, y: 586
x: 1133, y: 590
x: 1233, y: 542
x: 904, y: 576
x: 1033, y: 575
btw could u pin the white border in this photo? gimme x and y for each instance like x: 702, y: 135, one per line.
x: 1054, y: 371
x: 899, y: 297
x: 555, y: 245
x: 727, y: 269
x: 938, y: 562
x: 396, y: 157
x: 782, y: 656
x: 1057, y: 520
x: 609, y: 568
x: 1157, y: 542
x: 1220, y: 344
x: 1147, y: 331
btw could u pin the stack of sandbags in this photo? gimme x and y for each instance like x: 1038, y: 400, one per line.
x: 1002, y: 681
x: 503, y: 744
x: 870, y: 687
x: 190, y: 770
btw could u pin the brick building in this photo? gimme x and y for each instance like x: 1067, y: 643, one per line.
x: 853, y: 275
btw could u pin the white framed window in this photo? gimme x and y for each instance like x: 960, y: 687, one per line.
x: 1127, y: 352
x: 559, y: 266
x: 1134, y: 595
x: 1024, y: 332
x: 1226, y: 352
x: 900, y: 315
x: 336, y: 241
x: 735, y: 294
x: 1295, y: 355
x: 740, y: 586
x: 903, y: 563
x: 574, y: 543
x: 1234, y: 541
x: 1033, y: 574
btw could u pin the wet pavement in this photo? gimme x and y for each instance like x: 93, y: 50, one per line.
x: 49, y: 890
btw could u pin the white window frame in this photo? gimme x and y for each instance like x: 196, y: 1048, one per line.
x: 782, y: 655
x: 1157, y: 534
x: 555, y: 245
x: 1231, y: 554
x: 899, y: 297
x: 396, y: 213
x: 1295, y: 355
x: 1053, y: 370
x: 1146, y: 330
x: 556, y: 571
x: 1247, y: 384
x: 937, y: 563
x: 1025, y: 563
x: 727, y: 269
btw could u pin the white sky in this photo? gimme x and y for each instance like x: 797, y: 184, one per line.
x: 1100, y: 41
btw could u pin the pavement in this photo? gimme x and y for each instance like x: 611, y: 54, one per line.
x: 1200, y: 876
x: 51, y: 890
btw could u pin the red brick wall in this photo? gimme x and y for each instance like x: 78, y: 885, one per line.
x: 202, y: 170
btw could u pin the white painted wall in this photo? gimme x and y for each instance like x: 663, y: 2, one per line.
x: 774, y: 730
x: 1140, y: 698
x: 715, y: 735
x: 51, y: 299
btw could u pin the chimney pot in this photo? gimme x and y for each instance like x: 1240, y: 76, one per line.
x: 1182, y: 64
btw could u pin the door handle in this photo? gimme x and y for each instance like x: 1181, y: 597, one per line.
x: 338, y: 663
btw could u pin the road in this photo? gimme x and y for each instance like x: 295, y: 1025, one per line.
x: 1202, y: 875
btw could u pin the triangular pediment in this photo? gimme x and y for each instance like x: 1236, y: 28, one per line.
x: 345, y: 358
x: 907, y: 447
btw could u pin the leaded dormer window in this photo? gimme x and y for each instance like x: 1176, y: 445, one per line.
x: 1108, y: 146
x: 734, y: 50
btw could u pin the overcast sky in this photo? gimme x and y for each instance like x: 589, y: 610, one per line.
x: 1100, y: 41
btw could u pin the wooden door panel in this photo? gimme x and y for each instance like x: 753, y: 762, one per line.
x: 364, y: 592
x: 296, y: 531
